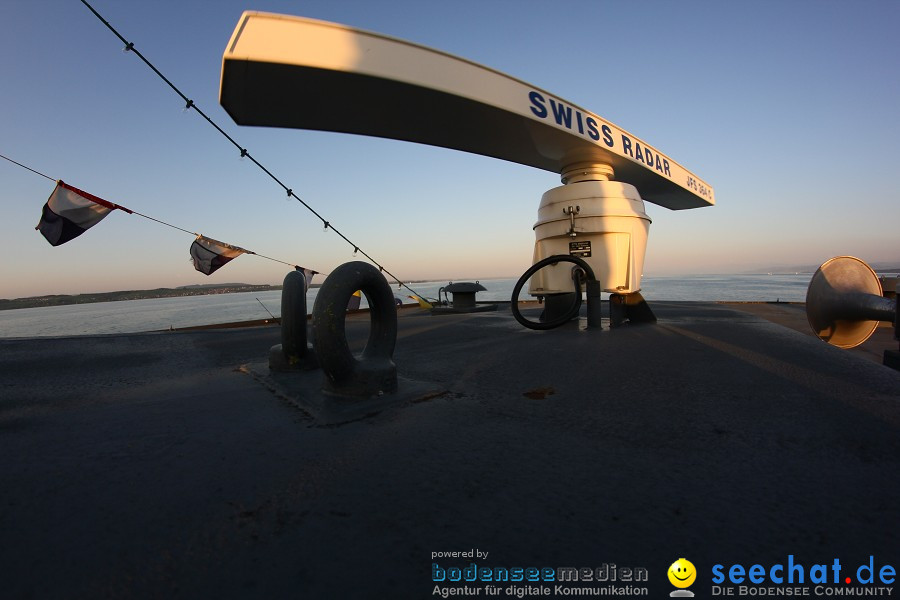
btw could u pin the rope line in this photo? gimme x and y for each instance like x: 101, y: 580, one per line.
x: 28, y: 168
x: 189, y: 104
x: 164, y: 223
x: 161, y: 222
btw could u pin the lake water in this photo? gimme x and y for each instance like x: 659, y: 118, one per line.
x: 162, y: 313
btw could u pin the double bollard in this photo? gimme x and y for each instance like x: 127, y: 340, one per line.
x: 373, y: 372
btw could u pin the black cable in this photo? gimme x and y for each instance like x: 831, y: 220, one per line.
x: 576, y: 277
x: 26, y: 167
x: 189, y: 104
x: 274, y: 318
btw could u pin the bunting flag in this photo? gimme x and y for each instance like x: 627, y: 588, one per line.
x: 422, y: 302
x: 307, y: 275
x: 355, y: 300
x: 69, y: 212
x: 209, y: 255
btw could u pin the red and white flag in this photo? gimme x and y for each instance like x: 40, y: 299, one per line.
x: 209, y: 254
x: 69, y: 212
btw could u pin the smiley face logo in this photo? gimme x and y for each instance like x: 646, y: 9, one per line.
x: 682, y: 573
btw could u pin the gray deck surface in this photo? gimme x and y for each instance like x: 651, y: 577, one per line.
x: 151, y: 466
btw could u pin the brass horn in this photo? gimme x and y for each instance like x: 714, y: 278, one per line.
x: 844, y: 302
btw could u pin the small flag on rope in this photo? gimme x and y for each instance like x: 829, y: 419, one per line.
x: 423, y: 303
x: 209, y: 254
x: 355, y: 300
x: 307, y: 275
x: 69, y: 212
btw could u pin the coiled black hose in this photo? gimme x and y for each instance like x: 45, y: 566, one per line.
x: 576, y: 278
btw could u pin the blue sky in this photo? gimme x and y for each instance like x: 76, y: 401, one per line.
x: 789, y: 109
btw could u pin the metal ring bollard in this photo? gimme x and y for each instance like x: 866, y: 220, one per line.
x: 374, y: 372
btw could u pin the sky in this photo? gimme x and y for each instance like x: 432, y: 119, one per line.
x: 789, y: 109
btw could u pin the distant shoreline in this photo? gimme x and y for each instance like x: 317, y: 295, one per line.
x: 94, y: 297
x: 232, y: 288
x: 185, y: 290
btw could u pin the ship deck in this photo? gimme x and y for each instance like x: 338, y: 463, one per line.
x: 159, y: 465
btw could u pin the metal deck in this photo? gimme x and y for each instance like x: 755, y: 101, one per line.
x: 151, y: 466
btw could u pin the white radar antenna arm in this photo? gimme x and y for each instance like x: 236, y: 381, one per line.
x: 284, y: 71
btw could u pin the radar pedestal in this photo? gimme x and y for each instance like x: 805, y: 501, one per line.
x: 602, y: 222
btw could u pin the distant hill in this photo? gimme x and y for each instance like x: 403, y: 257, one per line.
x: 201, y: 286
x: 189, y: 290
x: 878, y: 267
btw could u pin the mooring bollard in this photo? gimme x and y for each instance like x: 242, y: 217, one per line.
x: 374, y: 372
x: 293, y: 353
